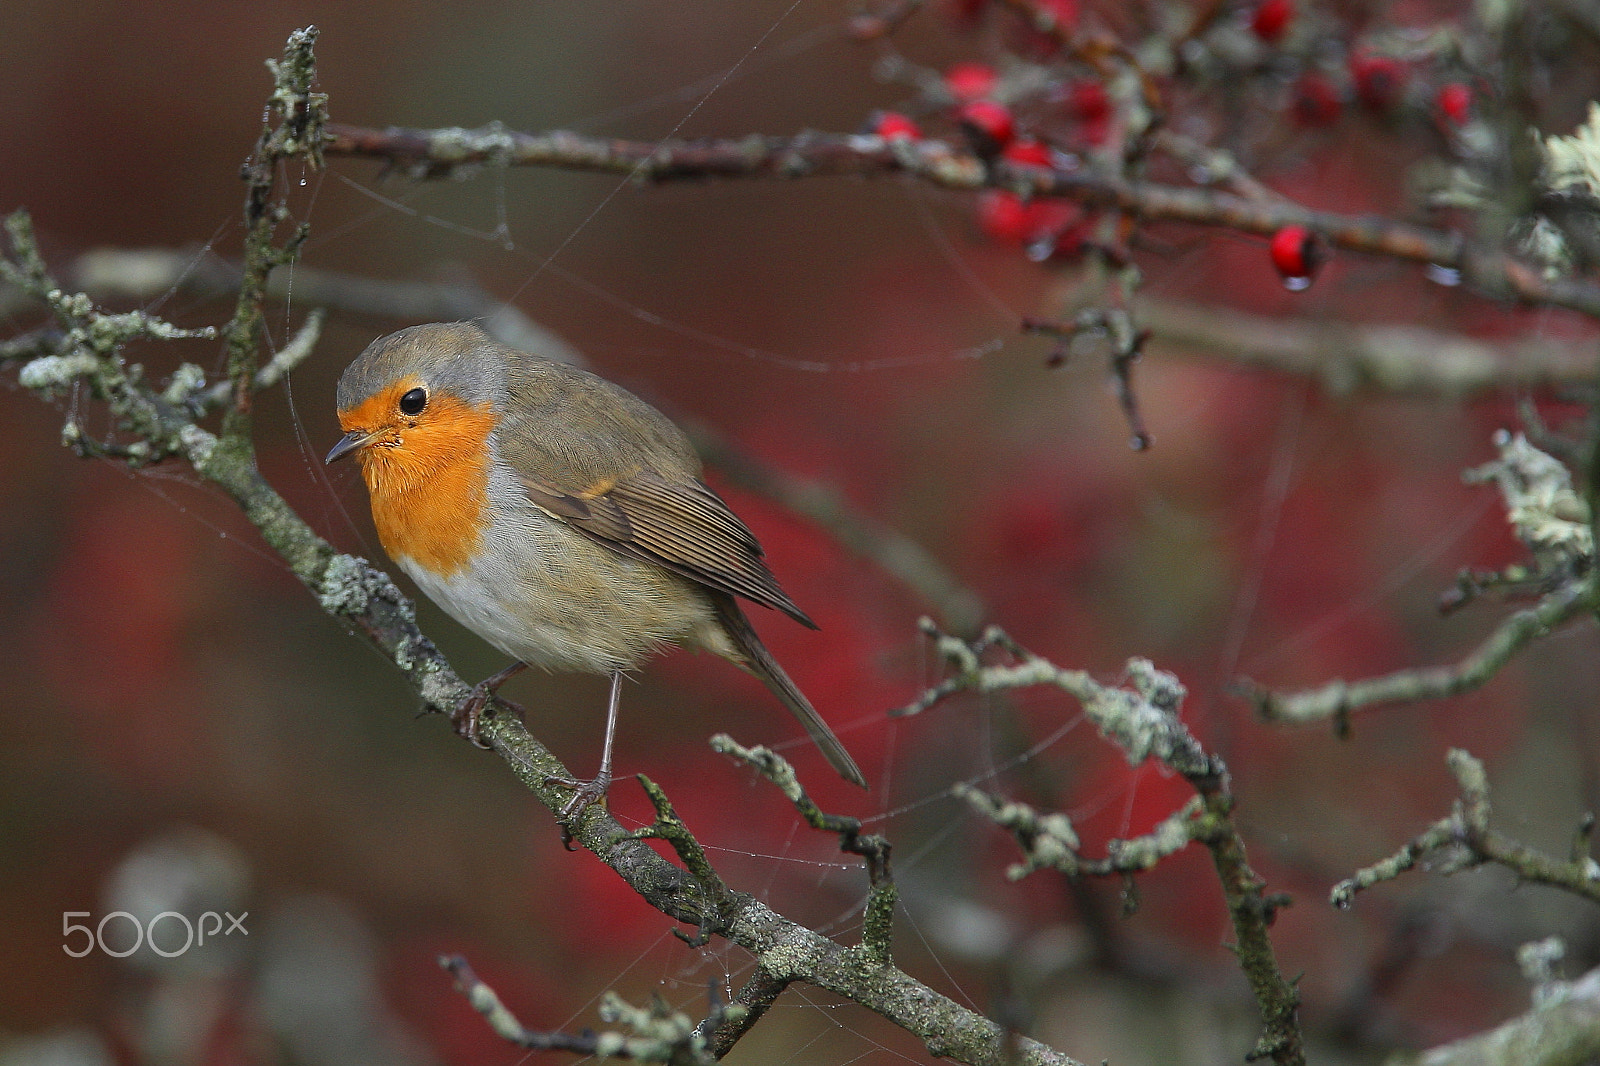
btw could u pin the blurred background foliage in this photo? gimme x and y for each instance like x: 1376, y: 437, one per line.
x: 174, y: 701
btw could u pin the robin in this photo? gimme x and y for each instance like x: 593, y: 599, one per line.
x: 556, y: 515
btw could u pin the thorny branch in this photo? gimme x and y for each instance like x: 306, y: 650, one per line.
x: 1463, y: 839
x: 1143, y: 720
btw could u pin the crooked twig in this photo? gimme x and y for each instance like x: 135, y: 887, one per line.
x: 1556, y: 525
x: 1463, y: 839
x: 656, y: 1033
x: 1143, y: 720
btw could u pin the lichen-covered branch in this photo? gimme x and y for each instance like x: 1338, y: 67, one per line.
x: 297, y: 132
x: 1348, y: 357
x: 1464, y: 839
x: 656, y: 1033
x: 877, y: 927
x: 1562, y: 1029
x: 436, y: 153
x: 1143, y: 720
x: 1556, y: 525
x: 1337, y: 699
x: 1049, y: 841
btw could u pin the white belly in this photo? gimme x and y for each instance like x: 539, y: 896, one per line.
x: 549, y: 596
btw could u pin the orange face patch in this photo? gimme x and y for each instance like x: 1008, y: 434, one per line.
x: 427, y: 474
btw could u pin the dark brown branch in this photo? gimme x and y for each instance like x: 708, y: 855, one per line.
x: 435, y: 153
x: 756, y: 997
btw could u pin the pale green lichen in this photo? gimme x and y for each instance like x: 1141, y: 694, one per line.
x: 344, y: 589
x: 186, y: 382
x: 1572, y: 162
x: 197, y: 444
x: 53, y: 372
x: 1548, y: 515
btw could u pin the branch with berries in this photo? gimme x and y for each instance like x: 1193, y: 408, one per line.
x: 436, y: 153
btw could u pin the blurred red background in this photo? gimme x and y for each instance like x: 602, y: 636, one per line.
x: 163, y: 679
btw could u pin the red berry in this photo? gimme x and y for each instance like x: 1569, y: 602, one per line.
x: 1003, y: 216
x: 1028, y: 152
x: 1316, y: 102
x: 1455, y: 102
x: 1008, y: 219
x: 1271, y: 18
x: 1379, y: 80
x: 969, y: 81
x: 1296, y: 254
x: 892, y: 125
x: 988, y: 124
x: 1089, y: 102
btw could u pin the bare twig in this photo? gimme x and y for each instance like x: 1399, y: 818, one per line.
x: 1348, y: 358
x: 877, y: 925
x: 1337, y: 699
x: 1050, y: 842
x: 1463, y: 839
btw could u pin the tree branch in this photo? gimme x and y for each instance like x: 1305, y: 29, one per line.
x: 1556, y: 525
x: 1463, y: 839
x: 1143, y: 720
x: 437, y: 153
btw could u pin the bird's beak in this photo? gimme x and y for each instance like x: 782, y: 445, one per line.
x: 356, y: 438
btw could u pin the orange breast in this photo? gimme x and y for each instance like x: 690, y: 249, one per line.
x: 429, y: 481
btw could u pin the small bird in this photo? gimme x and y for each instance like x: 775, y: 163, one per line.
x: 556, y: 515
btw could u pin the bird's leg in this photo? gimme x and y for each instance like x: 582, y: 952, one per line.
x: 468, y: 711
x: 587, y: 792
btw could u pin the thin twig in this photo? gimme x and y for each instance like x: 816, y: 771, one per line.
x: 1143, y: 719
x: 659, y: 1034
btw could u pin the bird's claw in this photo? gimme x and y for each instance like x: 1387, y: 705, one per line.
x: 585, y: 794
x: 467, y: 716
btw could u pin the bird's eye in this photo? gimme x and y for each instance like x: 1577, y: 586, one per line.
x: 413, y: 402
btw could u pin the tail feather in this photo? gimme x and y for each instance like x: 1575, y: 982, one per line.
x: 759, y: 661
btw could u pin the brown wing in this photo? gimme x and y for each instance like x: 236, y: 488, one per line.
x: 683, y: 526
x: 595, y: 455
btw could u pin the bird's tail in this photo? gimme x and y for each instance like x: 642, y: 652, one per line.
x: 759, y: 661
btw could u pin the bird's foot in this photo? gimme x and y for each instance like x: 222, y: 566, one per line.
x: 468, y: 713
x: 585, y: 794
